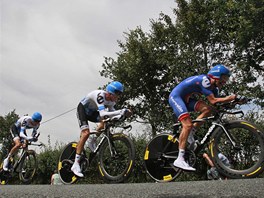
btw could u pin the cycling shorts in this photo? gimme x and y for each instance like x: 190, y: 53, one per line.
x: 83, y: 117
x: 14, y: 132
x: 181, y: 108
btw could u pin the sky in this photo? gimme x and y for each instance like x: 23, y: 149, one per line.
x: 51, y: 52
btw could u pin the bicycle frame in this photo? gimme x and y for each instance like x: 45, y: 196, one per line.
x: 19, y: 160
x: 215, y: 124
x: 106, y: 133
x: 24, y: 150
x: 218, y: 122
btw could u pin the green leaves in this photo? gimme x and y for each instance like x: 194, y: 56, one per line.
x: 203, y: 34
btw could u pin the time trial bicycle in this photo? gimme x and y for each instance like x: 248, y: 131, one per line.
x: 24, y: 164
x: 239, y: 140
x: 115, y: 153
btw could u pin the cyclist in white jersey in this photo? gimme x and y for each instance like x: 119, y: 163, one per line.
x: 95, y: 107
x: 18, y: 132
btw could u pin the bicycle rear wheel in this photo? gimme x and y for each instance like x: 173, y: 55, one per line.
x: 160, y: 154
x: 66, y: 161
x: 116, y: 168
x: 4, y: 176
x: 28, y: 166
x: 246, y: 159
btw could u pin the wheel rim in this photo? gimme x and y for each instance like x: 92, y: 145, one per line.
x: 119, y: 165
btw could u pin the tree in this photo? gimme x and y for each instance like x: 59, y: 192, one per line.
x: 5, y: 136
x: 205, y: 33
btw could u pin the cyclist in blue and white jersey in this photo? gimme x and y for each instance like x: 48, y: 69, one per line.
x: 18, y: 132
x: 181, y: 101
x: 95, y: 107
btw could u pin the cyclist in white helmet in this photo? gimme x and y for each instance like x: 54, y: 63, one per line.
x: 95, y: 107
x: 18, y: 132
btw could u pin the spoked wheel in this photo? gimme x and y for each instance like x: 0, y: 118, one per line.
x: 116, y: 168
x: 245, y: 160
x: 28, y: 167
x: 66, y: 160
x: 4, y: 175
x: 160, y: 154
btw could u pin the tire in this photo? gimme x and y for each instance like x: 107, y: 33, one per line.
x: 116, y: 169
x: 3, y: 177
x: 158, y: 167
x: 245, y: 161
x: 66, y: 161
x: 27, y: 167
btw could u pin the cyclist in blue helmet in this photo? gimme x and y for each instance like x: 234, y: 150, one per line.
x: 220, y: 74
x: 95, y: 107
x: 115, y: 88
x: 37, y: 117
x: 182, y: 102
x: 18, y: 132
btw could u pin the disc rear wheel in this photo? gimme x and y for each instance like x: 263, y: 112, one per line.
x: 160, y: 154
x: 66, y: 160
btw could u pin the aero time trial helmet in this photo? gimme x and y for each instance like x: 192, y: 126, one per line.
x: 115, y: 87
x: 217, y: 71
x: 37, y: 117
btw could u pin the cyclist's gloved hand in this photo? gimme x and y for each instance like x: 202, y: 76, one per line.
x: 34, y: 139
x: 241, y: 99
x: 126, y: 112
x: 117, y: 117
x: 30, y: 138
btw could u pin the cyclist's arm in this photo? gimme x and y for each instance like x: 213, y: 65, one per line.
x: 23, y: 135
x: 213, y: 100
x: 109, y: 114
x: 208, y: 160
x: 35, y: 130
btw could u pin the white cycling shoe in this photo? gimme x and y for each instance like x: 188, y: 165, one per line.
x: 5, y: 164
x: 76, y: 170
x: 183, y: 165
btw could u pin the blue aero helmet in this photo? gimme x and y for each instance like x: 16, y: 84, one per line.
x: 217, y: 71
x: 37, y: 117
x: 115, y: 88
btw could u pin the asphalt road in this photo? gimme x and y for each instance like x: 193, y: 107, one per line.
x: 225, y: 188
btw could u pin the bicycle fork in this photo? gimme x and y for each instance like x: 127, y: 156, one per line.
x: 212, y: 128
x: 112, y: 150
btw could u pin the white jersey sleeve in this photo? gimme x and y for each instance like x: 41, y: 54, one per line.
x: 96, y: 101
x: 24, y: 123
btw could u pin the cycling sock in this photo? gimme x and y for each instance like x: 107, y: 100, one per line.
x: 77, y: 158
x: 9, y: 155
x: 181, y: 154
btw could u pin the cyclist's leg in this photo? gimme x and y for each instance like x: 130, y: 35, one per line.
x: 85, y: 132
x: 183, y: 115
x: 100, y: 126
x: 199, y: 106
x: 15, y: 134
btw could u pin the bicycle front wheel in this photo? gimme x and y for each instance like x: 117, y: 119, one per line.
x: 28, y: 167
x: 116, y: 162
x: 245, y: 160
x: 160, y: 154
x: 66, y: 161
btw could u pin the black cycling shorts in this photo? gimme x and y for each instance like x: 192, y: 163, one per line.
x: 83, y: 118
